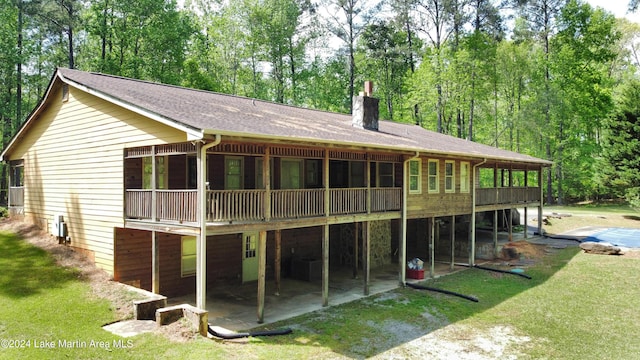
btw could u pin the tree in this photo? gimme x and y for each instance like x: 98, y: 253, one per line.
x: 620, y: 168
x: 346, y: 19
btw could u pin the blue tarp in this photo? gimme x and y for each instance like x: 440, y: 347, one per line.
x: 624, y: 237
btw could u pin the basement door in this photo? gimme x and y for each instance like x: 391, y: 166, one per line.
x: 249, y: 257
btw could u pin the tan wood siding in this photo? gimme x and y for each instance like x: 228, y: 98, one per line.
x: 428, y: 204
x: 73, y: 156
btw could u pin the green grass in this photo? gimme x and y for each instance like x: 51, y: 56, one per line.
x: 593, y: 208
x: 577, y: 306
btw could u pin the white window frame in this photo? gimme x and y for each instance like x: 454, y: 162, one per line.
x: 451, y: 177
x: 186, y: 271
x: 435, y: 176
x: 416, y: 177
x: 464, y: 176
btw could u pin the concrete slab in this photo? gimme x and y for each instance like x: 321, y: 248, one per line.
x: 128, y: 328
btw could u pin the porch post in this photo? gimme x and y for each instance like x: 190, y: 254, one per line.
x: 526, y: 208
x: 366, y: 255
x: 510, y: 220
x: 356, y: 234
x: 452, y: 235
x: 266, y: 180
x: 155, y: 264
x: 432, y: 227
x: 327, y: 194
x: 201, y: 247
x: 262, y: 270
x: 154, y: 195
x: 495, y: 232
x: 278, y: 260
x: 325, y: 265
x: 540, y: 202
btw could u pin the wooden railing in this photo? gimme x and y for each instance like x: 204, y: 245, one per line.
x: 249, y: 205
x: 513, y: 195
x: 16, y: 196
x: 348, y: 201
x: 138, y: 204
x: 235, y: 205
x: 292, y: 204
x: 384, y: 199
x: 177, y: 205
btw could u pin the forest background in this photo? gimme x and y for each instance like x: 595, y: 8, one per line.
x: 555, y: 79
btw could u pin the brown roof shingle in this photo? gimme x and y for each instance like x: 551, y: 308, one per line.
x: 233, y: 115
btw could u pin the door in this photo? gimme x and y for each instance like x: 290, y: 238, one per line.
x: 249, y: 257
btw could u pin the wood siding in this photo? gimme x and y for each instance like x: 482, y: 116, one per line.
x: 73, y: 157
x: 427, y: 204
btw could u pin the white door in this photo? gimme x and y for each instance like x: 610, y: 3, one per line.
x: 249, y: 257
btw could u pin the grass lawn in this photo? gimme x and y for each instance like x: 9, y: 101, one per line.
x: 577, y: 306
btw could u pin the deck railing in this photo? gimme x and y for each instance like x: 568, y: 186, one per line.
x: 249, y: 205
x: 293, y: 204
x: 507, y: 195
x: 348, y: 201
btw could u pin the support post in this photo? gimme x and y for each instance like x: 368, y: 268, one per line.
x: 495, y: 233
x: 452, y: 235
x: 278, y: 260
x: 366, y: 256
x: 325, y: 266
x: 356, y: 226
x: 262, y: 271
x: 432, y: 227
x: 540, y: 202
x: 266, y: 180
x: 526, y: 225
x: 155, y: 264
x: 154, y: 185
x: 327, y: 194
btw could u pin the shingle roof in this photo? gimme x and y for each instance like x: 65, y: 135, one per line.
x: 233, y: 115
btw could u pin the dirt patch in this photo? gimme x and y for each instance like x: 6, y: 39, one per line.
x: 180, y: 331
x: 460, y: 342
x: 522, y: 249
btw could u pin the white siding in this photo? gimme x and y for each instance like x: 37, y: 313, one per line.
x: 73, y: 156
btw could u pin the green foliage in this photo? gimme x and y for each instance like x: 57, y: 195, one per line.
x: 620, y: 165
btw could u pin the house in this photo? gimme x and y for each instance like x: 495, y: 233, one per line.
x: 174, y: 189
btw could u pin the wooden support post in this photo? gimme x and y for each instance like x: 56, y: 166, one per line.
x: 511, y: 200
x: 366, y: 255
x: 278, y: 260
x: 155, y: 264
x: 327, y: 193
x: 356, y: 234
x: 262, y: 270
x: 526, y: 225
x: 432, y: 226
x: 495, y: 233
x: 540, y: 201
x: 452, y: 235
x: 266, y: 180
x: 154, y: 185
x: 325, y: 266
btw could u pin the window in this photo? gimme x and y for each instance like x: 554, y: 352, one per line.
x: 385, y: 175
x: 449, y: 176
x: 415, y: 176
x: 291, y: 174
x: 233, y: 173
x: 464, y: 177
x: 17, y: 173
x: 433, y: 176
x: 188, y: 267
x: 161, y: 172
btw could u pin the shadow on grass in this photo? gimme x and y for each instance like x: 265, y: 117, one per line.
x: 371, y: 326
x: 28, y: 270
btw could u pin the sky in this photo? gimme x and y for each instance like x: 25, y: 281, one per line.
x: 617, y: 7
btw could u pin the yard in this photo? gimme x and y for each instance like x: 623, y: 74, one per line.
x: 577, y: 306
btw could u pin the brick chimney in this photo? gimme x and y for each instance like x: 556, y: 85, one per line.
x: 365, y: 109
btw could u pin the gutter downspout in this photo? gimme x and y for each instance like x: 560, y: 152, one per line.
x: 472, y: 251
x: 403, y: 237
x: 201, y: 245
